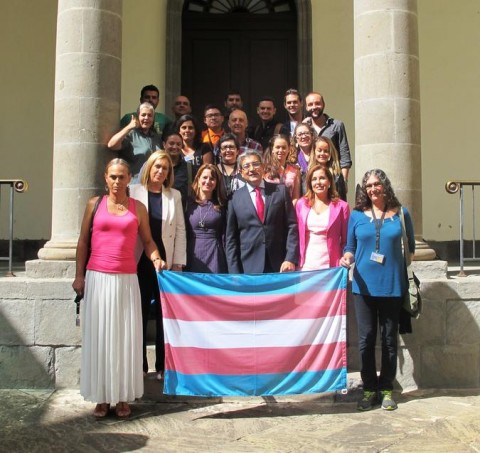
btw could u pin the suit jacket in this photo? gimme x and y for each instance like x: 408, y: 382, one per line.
x: 173, y: 224
x: 248, y: 240
x: 336, y: 229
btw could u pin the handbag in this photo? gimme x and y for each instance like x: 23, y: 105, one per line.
x: 90, y: 230
x: 412, y: 302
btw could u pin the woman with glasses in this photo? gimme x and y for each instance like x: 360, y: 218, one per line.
x: 374, y: 244
x: 325, y: 154
x: 231, y: 180
x: 206, y: 222
x: 303, y: 138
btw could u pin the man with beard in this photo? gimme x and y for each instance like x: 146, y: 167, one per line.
x: 262, y: 231
x: 268, y: 126
x: 213, y: 119
x: 293, y: 104
x: 328, y: 127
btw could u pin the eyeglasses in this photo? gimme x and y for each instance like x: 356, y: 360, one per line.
x: 302, y: 134
x: 373, y: 184
x: 225, y: 147
x: 255, y: 164
x: 213, y: 115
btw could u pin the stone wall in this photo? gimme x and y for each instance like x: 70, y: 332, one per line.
x: 40, y: 344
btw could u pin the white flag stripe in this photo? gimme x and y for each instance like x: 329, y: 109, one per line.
x: 251, y: 334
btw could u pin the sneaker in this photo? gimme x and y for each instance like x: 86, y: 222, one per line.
x: 368, y: 401
x: 388, y: 402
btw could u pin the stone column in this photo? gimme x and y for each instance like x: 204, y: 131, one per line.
x: 87, y: 111
x: 387, y: 100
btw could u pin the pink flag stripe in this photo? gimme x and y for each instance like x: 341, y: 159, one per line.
x: 254, y: 307
x: 246, y: 361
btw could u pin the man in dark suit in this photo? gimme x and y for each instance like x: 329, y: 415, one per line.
x: 255, y: 245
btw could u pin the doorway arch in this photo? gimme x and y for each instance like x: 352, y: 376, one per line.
x: 174, y: 48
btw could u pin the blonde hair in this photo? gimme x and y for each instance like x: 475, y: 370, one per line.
x: 161, y: 154
x: 333, y: 162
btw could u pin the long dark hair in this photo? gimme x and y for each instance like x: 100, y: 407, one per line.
x: 362, y: 200
x: 197, y: 138
x: 219, y: 198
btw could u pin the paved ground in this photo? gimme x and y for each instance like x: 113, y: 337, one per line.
x: 60, y: 421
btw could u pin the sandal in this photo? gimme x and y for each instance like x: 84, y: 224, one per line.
x: 101, y: 410
x: 122, y: 410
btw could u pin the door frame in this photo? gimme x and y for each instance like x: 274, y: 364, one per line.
x: 173, y: 64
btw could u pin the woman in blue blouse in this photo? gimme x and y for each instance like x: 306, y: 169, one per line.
x: 374, y: 244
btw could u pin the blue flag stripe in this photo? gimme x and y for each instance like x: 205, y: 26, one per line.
x: 209, y: 385
x: 260, y: 284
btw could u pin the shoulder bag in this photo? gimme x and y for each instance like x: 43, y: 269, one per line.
x: 412, y: 302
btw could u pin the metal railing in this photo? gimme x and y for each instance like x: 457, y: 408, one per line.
x: 20, y: 186
x: 459, y: 186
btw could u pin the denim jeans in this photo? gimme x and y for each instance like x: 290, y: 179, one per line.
x: 372, y: 312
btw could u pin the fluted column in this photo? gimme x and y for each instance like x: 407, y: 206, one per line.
x: 87, y: 108
x: 387, y: 100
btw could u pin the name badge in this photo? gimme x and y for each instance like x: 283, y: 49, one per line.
x: 377, y: 257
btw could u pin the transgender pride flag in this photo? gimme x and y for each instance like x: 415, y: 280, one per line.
x: 263, y: 334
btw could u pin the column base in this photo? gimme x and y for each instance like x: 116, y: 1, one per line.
x: 423, y: 252
x: 50, y: 269
x: 58, y: 250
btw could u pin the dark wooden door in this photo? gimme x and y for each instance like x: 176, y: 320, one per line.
x: 255, y: 54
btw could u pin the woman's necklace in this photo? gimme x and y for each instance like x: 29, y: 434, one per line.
x: 120, y: 206
x: 231, y: 167
x: 201, y: 222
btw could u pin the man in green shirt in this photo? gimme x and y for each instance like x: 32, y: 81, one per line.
x: 151, y: 95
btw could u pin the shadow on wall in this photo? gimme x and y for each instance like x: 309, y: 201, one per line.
x: 39, y: 342
x: 443, y: 352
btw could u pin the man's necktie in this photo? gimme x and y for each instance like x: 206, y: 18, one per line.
x: 259, y: 204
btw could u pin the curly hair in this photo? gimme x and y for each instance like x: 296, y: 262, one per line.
x: 362, y: 200
x: 332, y: 190
x: 219, y: 198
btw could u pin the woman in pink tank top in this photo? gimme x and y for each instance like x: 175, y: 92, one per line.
x: 107, y: 279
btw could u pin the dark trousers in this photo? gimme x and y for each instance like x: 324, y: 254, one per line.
x: 372, y: 312
x: 147, y: 280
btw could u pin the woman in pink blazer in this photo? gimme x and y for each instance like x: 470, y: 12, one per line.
x: 322, y: 221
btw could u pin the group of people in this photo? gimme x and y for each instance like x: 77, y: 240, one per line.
x: 221, y: 202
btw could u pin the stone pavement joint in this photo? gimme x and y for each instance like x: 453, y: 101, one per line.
x: 58, y: 421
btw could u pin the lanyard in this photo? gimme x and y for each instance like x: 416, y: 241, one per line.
x: 378, y: 226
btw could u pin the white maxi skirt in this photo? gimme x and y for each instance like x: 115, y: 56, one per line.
x: 111, y: 369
